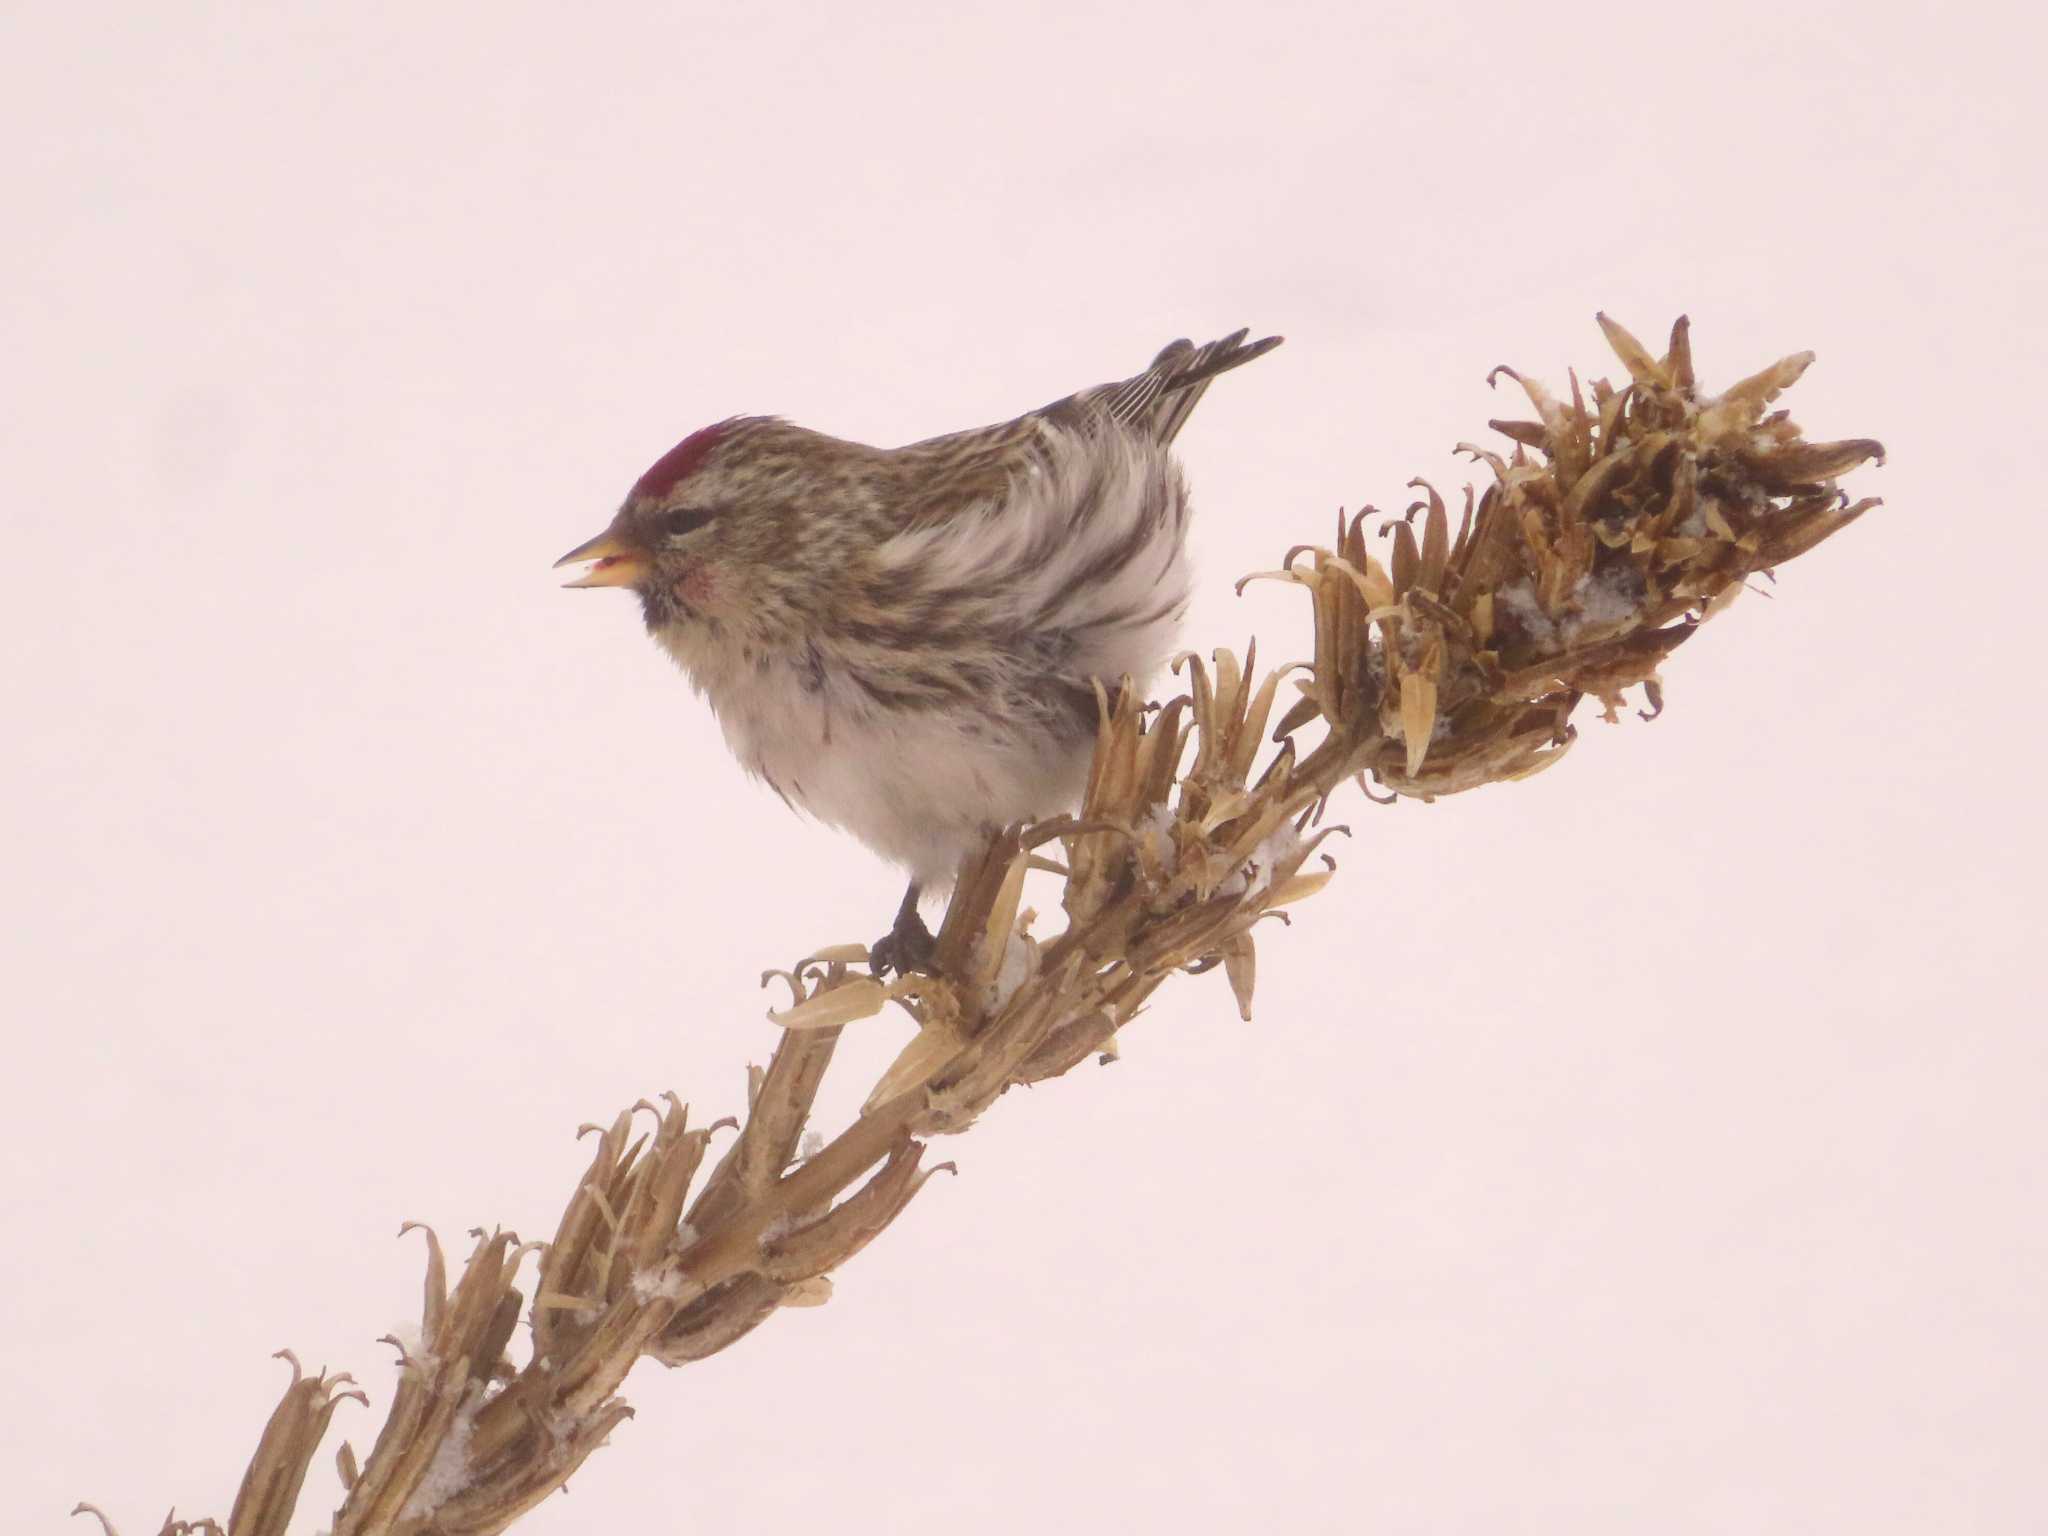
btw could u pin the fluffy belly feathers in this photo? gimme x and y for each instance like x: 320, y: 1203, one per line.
x: 920, y: 787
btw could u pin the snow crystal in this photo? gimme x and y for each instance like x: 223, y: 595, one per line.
x: 1155, y: 835
x: 1255, y: 874
x: 811, y: 1145
x: 1604, y: 599
x: 448, y: 1473
x: 1520, y: 602
x: 1278, y: 846
x: 664, y: 1282
x: 1019, y: 961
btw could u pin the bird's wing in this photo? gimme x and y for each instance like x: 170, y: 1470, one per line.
x: 973, y: 468
x: 944, y: 477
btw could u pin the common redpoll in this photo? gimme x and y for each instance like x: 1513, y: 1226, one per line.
x: 904, y: 642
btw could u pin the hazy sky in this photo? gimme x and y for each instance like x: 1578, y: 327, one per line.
x: 1655, y: 1146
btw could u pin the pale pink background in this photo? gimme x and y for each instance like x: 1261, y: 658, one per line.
x: 1656, y: 1146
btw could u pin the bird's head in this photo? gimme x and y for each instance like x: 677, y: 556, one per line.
x: 697, y: 530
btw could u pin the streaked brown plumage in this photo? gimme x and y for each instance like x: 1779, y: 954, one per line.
x: 904, y: 641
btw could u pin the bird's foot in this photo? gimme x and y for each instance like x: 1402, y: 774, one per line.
x: 909, y: 946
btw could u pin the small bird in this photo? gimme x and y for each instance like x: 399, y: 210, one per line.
x: 905, y: 642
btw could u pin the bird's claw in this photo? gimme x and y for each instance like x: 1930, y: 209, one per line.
x: 909, y: 946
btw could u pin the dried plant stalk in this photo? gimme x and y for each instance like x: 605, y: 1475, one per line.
x: 1613, y: 528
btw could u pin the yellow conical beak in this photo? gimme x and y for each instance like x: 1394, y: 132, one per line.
x: 619, y: 564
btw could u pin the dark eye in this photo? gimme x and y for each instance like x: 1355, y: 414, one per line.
x: 671, y: 526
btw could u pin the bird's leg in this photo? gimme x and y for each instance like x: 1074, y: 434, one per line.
x: 908, y: 946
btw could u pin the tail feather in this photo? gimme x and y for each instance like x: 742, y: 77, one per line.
x: 1160, y: 399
